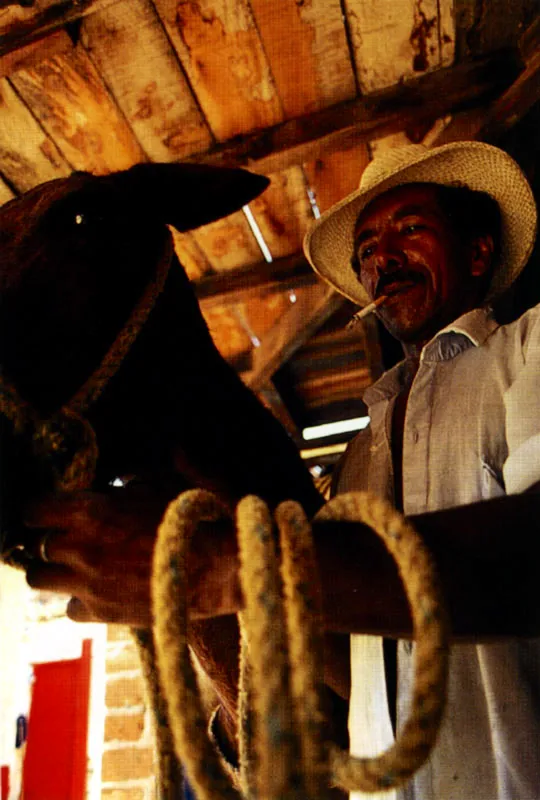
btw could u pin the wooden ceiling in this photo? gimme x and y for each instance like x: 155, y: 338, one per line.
x: 305, y: 91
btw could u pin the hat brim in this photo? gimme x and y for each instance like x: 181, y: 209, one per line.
x: 478, y: 166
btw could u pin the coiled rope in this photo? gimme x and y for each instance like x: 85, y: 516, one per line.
x: 282, y: 678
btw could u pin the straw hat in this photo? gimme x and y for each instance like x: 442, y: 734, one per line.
x: 482, y: 167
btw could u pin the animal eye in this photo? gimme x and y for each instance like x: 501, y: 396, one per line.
x: 84, y: 218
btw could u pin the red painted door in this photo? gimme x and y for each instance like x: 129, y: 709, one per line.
x: 55, y: 758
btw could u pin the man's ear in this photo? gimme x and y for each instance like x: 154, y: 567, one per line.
x: 481, y: 254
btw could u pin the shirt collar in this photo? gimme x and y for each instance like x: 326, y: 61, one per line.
x: 470, y: 330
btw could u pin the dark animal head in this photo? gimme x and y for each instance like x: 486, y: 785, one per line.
x: 76, y: 254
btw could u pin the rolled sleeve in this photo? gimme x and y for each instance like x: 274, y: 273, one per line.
x: 522, y: 405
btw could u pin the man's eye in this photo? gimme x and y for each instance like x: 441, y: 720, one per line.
x: 366, y: 252
x: 413, y: 227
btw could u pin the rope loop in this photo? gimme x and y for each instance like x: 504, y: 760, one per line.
x: 177, y: 675
x: 430, y: 630
x: 282, y: 661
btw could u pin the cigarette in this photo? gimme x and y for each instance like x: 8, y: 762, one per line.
x: 369, y: 308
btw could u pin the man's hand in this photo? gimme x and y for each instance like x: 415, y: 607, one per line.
x: 100, y: 547
x: 99, y: 550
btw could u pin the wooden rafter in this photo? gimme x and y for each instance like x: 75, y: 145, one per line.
x: 41, y: 23
x: 238, y: 285
x: 313, y: 307
x: 436, y: 94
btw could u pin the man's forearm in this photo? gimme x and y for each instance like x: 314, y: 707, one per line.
x: 486, y: 554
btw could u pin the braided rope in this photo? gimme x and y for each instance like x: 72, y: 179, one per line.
x: 264, y: 628
x: 170, y: 612
x: 430, y: 630
x: 246, y: 718
x: 303, y: 608
x: 93, y: 387
x: 292, y: 759
x: 167, y: 768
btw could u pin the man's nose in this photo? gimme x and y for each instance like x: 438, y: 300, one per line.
x: 389, y: 256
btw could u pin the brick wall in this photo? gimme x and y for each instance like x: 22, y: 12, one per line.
x: 128, y: 750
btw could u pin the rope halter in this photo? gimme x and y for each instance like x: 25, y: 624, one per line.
x: 65, y: 441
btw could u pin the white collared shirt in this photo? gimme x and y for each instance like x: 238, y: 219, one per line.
x: 472, y: 432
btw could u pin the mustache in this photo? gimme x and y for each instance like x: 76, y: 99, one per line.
x: 395, y: 279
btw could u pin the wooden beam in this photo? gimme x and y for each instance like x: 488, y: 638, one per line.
x: 31, y: 54
x: 520, y: 96
x: 235, y: 286
x: 313, y: 307
x: 489, y: 124
x: 27, y: 155
x: 67, y: 96
x: 39, y: 23
x: 128, y: 45
x: 482, y: 27
x: 379, y: 114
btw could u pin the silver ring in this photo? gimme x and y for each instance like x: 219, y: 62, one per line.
x: 42, y: 548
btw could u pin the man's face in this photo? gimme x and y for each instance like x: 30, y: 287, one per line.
x: 407, y: 248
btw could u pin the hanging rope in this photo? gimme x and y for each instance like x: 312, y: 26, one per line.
x: 291, y: 757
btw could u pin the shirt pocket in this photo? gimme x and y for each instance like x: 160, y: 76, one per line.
x: 492, y: 481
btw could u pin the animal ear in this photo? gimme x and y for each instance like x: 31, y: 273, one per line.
x: 187, y: 196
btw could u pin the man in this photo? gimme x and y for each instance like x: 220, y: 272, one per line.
x: 455, y: 422
x: 467, y: 431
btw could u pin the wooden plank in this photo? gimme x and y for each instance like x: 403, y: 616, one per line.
x: 243, y: 284
x: 30, y: 54
x: 394, y: 41
x: 333, y: 386
x: 336, y: 175
x: 22, y: 26
x: 283, y: 212
x: 513, y: 104
x: 313, y: 307
x: 67, y: 96
x: 491, y: 123
x: 425, y: 133
x: 259, y: 316
x: 220, y: 50
x: 306, y: 45
x: 190, y: 255
x: 434, y: 95
x: 230, y: 338
x: 130, y: 48
x: 27, y: 155
x: 463, y: 126
x: 228, y: 243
